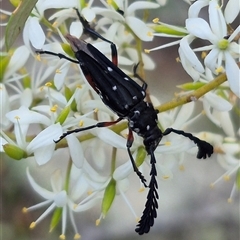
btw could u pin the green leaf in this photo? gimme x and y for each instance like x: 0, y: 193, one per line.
x: 17, y: 21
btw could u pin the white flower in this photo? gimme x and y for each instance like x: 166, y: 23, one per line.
x: 4, y: 106
x: 135, y: 24
x: 231, y: 10
x: 17, y: 60
x: 222, y: 48
x: 42, y: 146
x: 63, y: 199
x: 228, y: 157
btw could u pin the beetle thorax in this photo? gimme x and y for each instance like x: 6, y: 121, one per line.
x: 143, y: 121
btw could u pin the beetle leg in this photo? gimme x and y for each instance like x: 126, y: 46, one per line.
x: 204, y: 148
x: 58, y: 55
x: 136, y: 75
x: 98, y: 125
x: 95, y: 35
x: 130, y: 140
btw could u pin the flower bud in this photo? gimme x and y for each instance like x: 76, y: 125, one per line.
x: 108, y: 197
x: 141, y: 155
x: 14, y: 152
x: 63, y: 115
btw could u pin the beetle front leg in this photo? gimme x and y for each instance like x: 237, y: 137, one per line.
x: 60, y: 55
x: 130, y: 140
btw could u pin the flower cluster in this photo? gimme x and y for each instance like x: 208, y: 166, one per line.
x: 44, y: 96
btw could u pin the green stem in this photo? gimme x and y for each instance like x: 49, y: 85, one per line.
x: 193, y: 96
x: 67, y: 180
x: 113, y: 165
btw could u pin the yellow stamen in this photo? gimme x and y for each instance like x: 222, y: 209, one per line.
x: 3, y: 16
x: 89, y: 192
x: 219, y: 70
x: 62, y: 236
x: 24, y: 210
x: 54, y: 108
x: 155, y: 20
x: 54, y: 24
x: 203, y: 55
x: 75, y: 206
x: 146, y: 50
x: 141, y: 189
x: 58, y: 71
x: 32, y: 225
x: 212, y: 185
x: 167, y: 143
x: 38, y: 57
x: 226, y: 177
x: 96, y: 110
x: 48, y: 84
x: 181, y: 167
x: 49, y: 34
x: 81, y: 123
x: 77, y: 236
x: 17, y: 117
x: 150, y: 34
x: 98, y: 222
x: 165, y: 177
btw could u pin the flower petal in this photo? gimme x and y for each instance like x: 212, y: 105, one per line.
x: 233, y: 73
x: 218, y: 103
x: 76, y: 151
x: 201, y: 29
x: 232, y: 10
x: 40, y: 190
x: 36, y: 34
x: 138, y: 5
x: 216, y: 19
x: 45, y: 138
x: 26, y: 116
x: 196, y: 7
x: 18, y: 60
x: 76, y: 29
x: 140, y: 28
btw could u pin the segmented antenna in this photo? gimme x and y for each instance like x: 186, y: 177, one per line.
x: 151, y: 206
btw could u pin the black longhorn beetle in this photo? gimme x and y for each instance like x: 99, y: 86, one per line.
x: 126, y: 98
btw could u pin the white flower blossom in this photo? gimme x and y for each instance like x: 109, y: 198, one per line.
x: 222, y: 48
x: 229, y: 150
x: 60, y: 198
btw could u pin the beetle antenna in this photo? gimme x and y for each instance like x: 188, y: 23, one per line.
x: 151, y: 206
